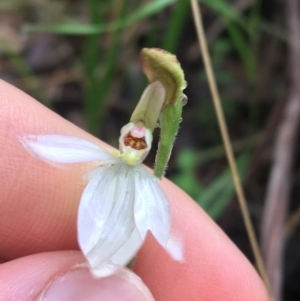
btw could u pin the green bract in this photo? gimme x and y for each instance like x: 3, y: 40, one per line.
x: 160, y: 65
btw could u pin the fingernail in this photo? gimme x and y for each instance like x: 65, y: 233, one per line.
x: 79, y: 284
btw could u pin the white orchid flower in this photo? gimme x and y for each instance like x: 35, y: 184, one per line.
x: 122, y: 200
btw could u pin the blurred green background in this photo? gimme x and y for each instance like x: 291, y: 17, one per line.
x: 81, y: 59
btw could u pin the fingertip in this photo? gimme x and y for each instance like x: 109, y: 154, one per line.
x: 213, y: 268
x: 38, y: 202
x: 37, y: 194
x: 64, y: 276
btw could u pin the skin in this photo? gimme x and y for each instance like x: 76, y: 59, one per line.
x: 38, y: 218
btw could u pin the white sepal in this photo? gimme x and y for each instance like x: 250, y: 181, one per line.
x: 105, y: 220
x: 65, y: 149
x: 152, y: 210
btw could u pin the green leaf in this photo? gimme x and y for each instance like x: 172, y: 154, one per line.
x: 218, y: 195
x: 187, y: 161
x: 222, y: 7
x: 232, y: 14
x: 176, y: 25
x: 143, y: 12
x: 98, y: 86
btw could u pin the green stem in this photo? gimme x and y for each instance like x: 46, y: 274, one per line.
x: 169, y: 123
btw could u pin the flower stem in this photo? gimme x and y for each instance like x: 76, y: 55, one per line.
x: 169, y: 120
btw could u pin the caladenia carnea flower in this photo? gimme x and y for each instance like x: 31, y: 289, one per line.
x: 122, y: 201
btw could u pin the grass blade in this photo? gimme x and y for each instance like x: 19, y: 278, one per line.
x: 143, y: 12
x: 219, y: 194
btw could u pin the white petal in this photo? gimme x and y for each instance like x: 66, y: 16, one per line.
x: 152, y: 209
x: 93, y: 208
x: 65, y: 149
x: 121, y: 257
x: 105, y: 217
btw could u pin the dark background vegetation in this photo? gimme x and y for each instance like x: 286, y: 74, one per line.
x: 90, y: 74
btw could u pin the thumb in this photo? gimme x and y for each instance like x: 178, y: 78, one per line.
x: 61, y: 276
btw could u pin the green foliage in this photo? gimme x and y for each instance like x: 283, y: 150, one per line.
x: 186, y: 179
x: 217, y: 196
x: 99, y: 61
x: 243, y: 35
x: 176, y: 24
x: 206, y: 114
x: 95, y: 92
x: 139, y: 14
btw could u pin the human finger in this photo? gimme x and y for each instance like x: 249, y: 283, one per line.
x: 62, y: 276
x: 39, y: 207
